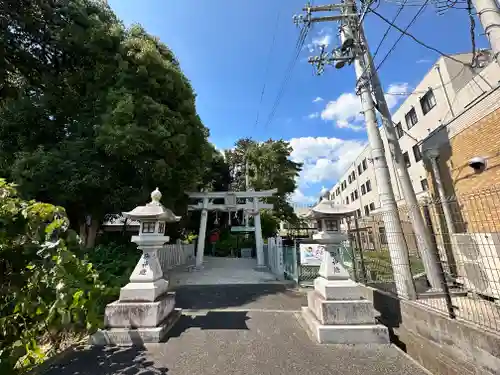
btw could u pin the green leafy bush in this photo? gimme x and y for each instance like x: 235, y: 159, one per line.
x: 46, y: 289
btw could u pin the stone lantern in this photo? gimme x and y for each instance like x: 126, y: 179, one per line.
x: 141, y: 315
x: 337, y: 312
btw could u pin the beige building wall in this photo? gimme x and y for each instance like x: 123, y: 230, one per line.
x: 462, y: 85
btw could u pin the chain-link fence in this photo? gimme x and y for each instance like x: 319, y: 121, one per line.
x: 456, y: 270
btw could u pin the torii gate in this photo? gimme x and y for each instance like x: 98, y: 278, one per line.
x: 230, y: 205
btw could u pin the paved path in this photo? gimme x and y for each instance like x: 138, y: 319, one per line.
x: 239, y: 330
x: 221, y: 271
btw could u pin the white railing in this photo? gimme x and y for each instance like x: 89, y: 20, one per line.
x: 173, y: 255
x: 274, y: 256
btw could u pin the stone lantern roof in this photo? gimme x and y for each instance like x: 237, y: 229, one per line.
x: 326, y: 208
x: 153, y: 210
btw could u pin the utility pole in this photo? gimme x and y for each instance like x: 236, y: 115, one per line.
x: 353, y: 50
x: 247, y: 183
x: 423, y: 236
x: 489, y: 15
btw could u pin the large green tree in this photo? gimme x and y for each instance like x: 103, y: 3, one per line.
x: 100, y: 117
x: 269, y: 166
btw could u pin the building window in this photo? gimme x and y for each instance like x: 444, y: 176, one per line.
x: 148, y: 227
x: 406, y: 158
x: 352, y: 177
x: 428, y: 101
x: 360, y: 170
x: 372, y: 206
x: 363, y: 163
x: 344, y: 185
x: 425, y: 184
x: 349, y: 179
x: 417, y: 153
x: 382, y: 235
x: 352, y: 197
x: 347, y: 200
x: 399, y: 130
x: 367, y: 210
x: 363, y: 189
x: 358, y: 213
x: 411, y: 118
x: 368, y: 186
x: 356, y: 194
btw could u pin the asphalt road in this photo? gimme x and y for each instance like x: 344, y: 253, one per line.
x: 239, y: 330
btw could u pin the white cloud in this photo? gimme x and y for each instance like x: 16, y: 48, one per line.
x: 313, y: 115
x: 346, y: 109
x: 299, y: 197
x: 395, y: 88
x: 318, y: 99
x: 322, y: 38
x: 423, y: 61
x: 324, y: 159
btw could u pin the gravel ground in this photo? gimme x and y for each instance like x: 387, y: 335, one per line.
x: 221, y: 338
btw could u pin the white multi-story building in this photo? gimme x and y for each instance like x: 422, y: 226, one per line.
x: 443, y: 93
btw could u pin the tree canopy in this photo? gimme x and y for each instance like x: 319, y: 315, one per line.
x: 94, y: 116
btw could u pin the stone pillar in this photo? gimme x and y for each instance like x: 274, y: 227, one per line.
x: 259, y: 242
x: 336, y: 312
x: 200, y: 249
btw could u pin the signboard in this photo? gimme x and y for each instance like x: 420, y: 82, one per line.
x: 311, y: 254
x: 242, y: 229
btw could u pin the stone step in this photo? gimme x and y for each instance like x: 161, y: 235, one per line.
x: 345, y: 334
x: 341, y: 312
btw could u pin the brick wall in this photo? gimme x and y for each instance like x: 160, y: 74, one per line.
x: 478, y: 195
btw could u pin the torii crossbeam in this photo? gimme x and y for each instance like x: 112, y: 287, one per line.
x: 230, y: 204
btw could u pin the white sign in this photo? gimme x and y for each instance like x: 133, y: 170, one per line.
x: 311, y: 254
x: 242, y: 229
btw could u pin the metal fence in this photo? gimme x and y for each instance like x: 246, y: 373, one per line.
x: 464, y: 246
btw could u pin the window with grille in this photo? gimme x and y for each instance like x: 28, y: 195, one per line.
x: 356, y: 194
x: 411, y: 118
x: 352, y: 196
x: 406, y: 158
x: 363, y: 189
x: 368, y: 186
x: 399, y: 130
x: 427, y: 102
x: 367, y: 210
x: 358, y: 212
x: 417, y: 153
x: 372, y: 206
x: 363, y: 163
x: 360, y: 170
x: 148, y: 227
x: 425, y: 184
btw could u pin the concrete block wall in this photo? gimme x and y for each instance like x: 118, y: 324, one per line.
x: 440, y: 344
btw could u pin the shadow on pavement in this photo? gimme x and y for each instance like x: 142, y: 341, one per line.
x: 225, y: 296
x: 213, y: 320
x: 106, y: 361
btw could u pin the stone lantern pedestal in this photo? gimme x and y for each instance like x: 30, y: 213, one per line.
x: 145, y: 309
x: 336, y: 312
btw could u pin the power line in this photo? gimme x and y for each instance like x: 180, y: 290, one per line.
x: 401, y: 7
x: 419, y: 12
x: 415, y: 39
x: 298, y: 48
x: 267, y: 67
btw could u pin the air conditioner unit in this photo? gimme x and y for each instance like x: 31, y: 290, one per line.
x: 478, y: 262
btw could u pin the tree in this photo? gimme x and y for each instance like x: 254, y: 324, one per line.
x: 107, y: 117
x: 45, y: 288
x: 270, y: 167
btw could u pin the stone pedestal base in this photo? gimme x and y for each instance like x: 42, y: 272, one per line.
x: 144, y: 291
x: 131, y: 337
x: 135, y: 323
x: 337, y: 314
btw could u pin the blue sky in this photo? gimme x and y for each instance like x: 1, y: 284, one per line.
x: 224, y: 49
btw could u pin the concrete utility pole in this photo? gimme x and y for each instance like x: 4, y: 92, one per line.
x: 353, y: 50
x: 489, y: 15
x: 423, y: 236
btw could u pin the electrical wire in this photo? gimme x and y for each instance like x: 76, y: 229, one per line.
x: 298, y: 48
x: 419, y: 12
x: 472, y: 28
x: 428, y: 46
x: 389, y: 28
x: 267, y: 67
